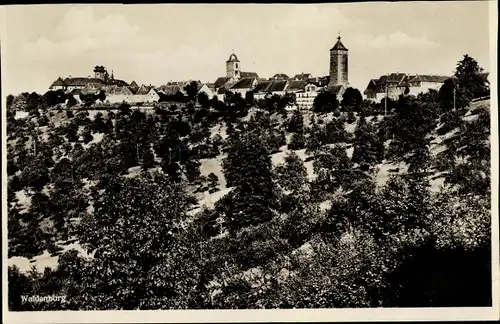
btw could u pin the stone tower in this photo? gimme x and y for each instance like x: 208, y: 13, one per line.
x: 233, y: 68
x: 100, y: 72
x: 338, y: 64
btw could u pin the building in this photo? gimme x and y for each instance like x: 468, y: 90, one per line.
x: 244, y: 85
x: 339, y: 65
x: 235, y: 80
x: 304, y: 98
x: 302, y: 77
x: 280, y: 76
x: 101, y: 78
x: 395, y: 84
x: 207, y: 89
x: 233, y: 69
x: 270, y: 88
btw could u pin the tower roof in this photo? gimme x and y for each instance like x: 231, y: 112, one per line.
x: 339, y: 46
x: 233, y: 58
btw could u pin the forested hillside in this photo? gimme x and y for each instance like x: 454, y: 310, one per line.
x: 246, y: 204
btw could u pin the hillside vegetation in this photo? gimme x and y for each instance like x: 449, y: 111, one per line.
x: 244, y: 204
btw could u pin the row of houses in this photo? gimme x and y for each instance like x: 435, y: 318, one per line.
x: 395, y: 84
x: 305, y: 90
x: 117, y: 91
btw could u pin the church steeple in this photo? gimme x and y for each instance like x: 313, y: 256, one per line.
x: 233, y: 67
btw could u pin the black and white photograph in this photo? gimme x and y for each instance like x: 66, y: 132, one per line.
x: 273, y: 158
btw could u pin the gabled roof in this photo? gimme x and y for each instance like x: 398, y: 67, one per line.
x: 79, y: 81
x: 339, y: 46
x: 262, y: 86
x: 244, y: 83
x: 121, y: 91
x: 117, y: 82
x: 171, y: 89
x: 58, y: 83
x: 276, y: 85
x: 134, y: 84
x: 201, y: 85
x: 221, y: 81
x: 296, y: 85
x: 335, y: 89
x: 280, y: 76
x: 429, y: 78
x: 221, y: 91
x: 302, y: 76
x: 143, y: 90
x: 395, y: 77
x: 249, y: 75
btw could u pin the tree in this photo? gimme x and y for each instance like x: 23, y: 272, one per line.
x: 296, y: 123
x: 314, y: 139
x: 203, y: 100
x: 248, y: 169
x: 9, y: 100
x: 101, y: 95
x: 414, y: 122
x: 87, y: 135
x: 71, y: 101
x: 465, y: 162
x: 325, y: 102
x: 192, y: 169
x: 333, y: 168
x: 148, y: 159
x: 35, y: 175
x: 365, y: 153
x: 249, y: 97
x: 191, y: 90
x: 334, y: 132
x: 213, y: 181
x: 98, y: 125
x: 87, y: 99
x: 351, y: 100
x: 471, y: 81
x: 135, y: 235
x: 292, y: 174
x: 297, y: 142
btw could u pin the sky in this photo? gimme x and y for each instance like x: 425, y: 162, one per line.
x: 154, y: 43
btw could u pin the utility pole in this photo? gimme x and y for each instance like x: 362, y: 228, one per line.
x: 385, y: 101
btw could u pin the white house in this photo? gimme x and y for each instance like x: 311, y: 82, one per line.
x: 206, y: 89
x: 119, y: 95
x: 304, y: 98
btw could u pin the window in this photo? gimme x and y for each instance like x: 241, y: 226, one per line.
x: 236, y: 65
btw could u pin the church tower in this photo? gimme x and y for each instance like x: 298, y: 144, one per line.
x: 338, y: 64
x: 233, y: 68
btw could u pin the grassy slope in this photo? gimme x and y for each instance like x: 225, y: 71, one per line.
x: 214, y: 166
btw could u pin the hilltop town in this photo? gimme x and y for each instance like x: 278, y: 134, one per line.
x: 303, y: 86
x: 251, y: 192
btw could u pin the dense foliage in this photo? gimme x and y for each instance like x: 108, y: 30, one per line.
x: 342, y: 206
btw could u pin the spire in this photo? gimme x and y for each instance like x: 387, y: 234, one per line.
x: 338, y: 45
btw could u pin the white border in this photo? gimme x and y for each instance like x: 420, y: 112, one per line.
x: 319, y: 315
